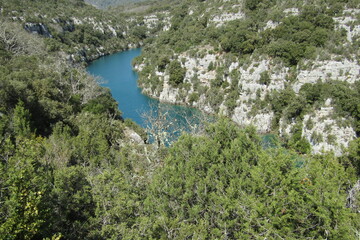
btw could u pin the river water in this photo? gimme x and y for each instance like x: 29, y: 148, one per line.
x: 117, y: 73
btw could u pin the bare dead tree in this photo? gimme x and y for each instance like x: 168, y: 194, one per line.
x: 164, y: 125
x: 90, y: 86
x: 16, y: 40
x: 157, y: 124
x: 75, y: 80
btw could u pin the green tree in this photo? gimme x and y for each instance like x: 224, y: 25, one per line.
x: 252, y: 4
x: 177, y: 73
x: 25, y: 202
x: 21, y: 120
x: 73, y: 204
x: 265, y: 78
x: 354, y: 155
x: 139, y: 32
x: 224, y: 184
x: 297, y: 142
x: 118, y: 201
x: 162, y: 63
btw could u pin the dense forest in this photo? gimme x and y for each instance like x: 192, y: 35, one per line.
x: 70, y: 170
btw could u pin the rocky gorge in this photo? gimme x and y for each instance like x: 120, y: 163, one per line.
x: 251, y: 80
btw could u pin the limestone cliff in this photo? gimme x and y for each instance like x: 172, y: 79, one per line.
x: 217, y: 82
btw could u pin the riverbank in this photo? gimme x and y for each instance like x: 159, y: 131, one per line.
x: 119, y: 76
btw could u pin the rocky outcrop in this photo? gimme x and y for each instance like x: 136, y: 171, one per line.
x: 38, y: 28
x: 323, y: 130
x: 325, y: 134
x: 154, y: 20
x: 168, y: 94
x: 344, y: 70
x: 219, y: 20
x: 217, y: 82
x: 133, y: 136
x: 271, y: 25
x: 349, y: 23
x: 353, y: 199
x: 262, y: 121
x: 292, y: 11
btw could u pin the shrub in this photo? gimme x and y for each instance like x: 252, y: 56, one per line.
x: 177, y: 73
x: 297, y: 142
x: 194, y: 97
x: 265, y: 78
x: 162, y: 63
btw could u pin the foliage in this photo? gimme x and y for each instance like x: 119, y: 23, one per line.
x: 354, y: 155
x: 225, y: 185
x: 265, y: 78
x: 345, y: 97
x: 239, y: 37
x: 163, y: 62
x: 73, y: 204
x: 76, y: 28
x: 68, y: 169
x: 297, y: 142
x: 230, y: 101
x: 177, y: 73
x: 193, y: 97
x: 25, y: 191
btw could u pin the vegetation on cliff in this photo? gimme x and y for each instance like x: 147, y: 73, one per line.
x: 75, y: 28
x: 68, y: 169
x: 104, y: 4
x: 257, y: 58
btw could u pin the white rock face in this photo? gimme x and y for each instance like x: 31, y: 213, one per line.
x: 96, y: 25
x: 334, y: 137
x: 199, y: 67
x: 112, y: 30
x: 249, y: 81
x: 326, y: 134
x: 151, y: 21
x: 139, y: 67
x: 353, y: 199
x: 292, y: 11
x: 133, y: 136
x: 271, y: 25
x: 167, y: 27
x: 345, y: 70
x: 219, y: 20
x: 251, y: 75
x: 168, y: 93
x: 349, y: 24
x: 352, y: 11
x: 77, y: 21
x: 262, y: 121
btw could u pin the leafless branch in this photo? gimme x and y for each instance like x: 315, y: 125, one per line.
x: 164, y: 124
x: 16, y: 40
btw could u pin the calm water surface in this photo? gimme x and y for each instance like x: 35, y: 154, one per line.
x: 117, y: 72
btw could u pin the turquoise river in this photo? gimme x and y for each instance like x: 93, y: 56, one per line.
x: 117, y: 74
